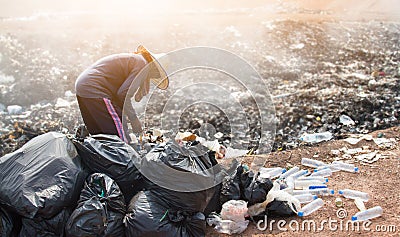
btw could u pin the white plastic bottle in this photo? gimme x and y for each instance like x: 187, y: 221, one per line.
x: 298, y: 174
x: 368, y: 214
x: 319, y: 178
x: 316, y: 191
x: 289, y: 172
x: 312, y: 163
x: 305, y: 198
x: 322, y: 173
x: 316, y: 137
x: 271, y: 173
x: 304, y: 184
x: 311, y: 207
x: 353, y: 194
x: 345, y: 166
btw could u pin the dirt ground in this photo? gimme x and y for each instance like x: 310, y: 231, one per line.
x: 380, y: 179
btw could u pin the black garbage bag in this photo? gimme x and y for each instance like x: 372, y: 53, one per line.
x: 6, y: 223
x: 149, y: 217
x: 42, y: 177
x: 278, y: 209
x: 245, y: 186
x: 232, y: 186
x: 255, y: 189
x: 109, y: 155
x: 180, y: 183
x: 40, y: 227
x: 101, y: 209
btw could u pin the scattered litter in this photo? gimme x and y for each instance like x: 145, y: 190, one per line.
x: 14, y: 109
x: 346, y: 120
x: 360, y: 204
x: 368, y: 214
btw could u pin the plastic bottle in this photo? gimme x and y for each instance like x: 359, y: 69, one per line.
x: 322, y: 173
x: 329, y: 166
x: 312, y: 163
x: 316, y: 137
x: 345, y: 167
x: 270, y: 173
x: 305, y: 198
x: 319, y: 178
x: 298, y: 174
x: 289, y: 172
x: 368, y: 214
x: 302, y: 184
x: 353, y: 194
x: 311, y: 207
x: 317, y: 191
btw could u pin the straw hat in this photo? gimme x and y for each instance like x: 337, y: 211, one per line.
x: 157, y: 74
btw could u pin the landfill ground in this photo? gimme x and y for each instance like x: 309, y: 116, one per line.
x: 319, y: 63
x: 379, y: 179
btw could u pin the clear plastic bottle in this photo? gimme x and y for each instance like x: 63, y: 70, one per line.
x: 311, y: 207
x: 322, y: 173
x: 305, y: 198
x: 312, y: 163
x: 353, y: 194
x: 329, y: 166
x: 298, y: 174
x: 316, y: 137
x: 319, y: 178
x: 304, y: 184
x: 289, y: 172
x: 345, y: 166
x: 271, y: 173
x: 368, y: 214
x: 316, y: 191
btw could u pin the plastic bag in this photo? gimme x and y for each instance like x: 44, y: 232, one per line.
x: 227, y: 226
x: 101, y: 209
x: 109, y: 155
x: 6, y: 223
x: 39, y: 227
x: 42, y: 177
x: 150, y: 217
x: 245, y: 186
x: 179, y: 186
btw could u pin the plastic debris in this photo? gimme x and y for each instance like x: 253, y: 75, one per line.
x: 368, y: 214
x: 346, y: 120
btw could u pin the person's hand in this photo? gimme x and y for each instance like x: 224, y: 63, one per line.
x: 221, y: 153
x: 143, y: 90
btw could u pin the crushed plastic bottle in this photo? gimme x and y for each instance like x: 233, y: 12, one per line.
x: 345, y: 166
x: 368, y: 214
x: 289, y: 172
x: 305, y: 198
x: 353, y: 194
x: 316, y: 137
x: 312, y: 163
x: 322, y: 173
x: 311, y: 207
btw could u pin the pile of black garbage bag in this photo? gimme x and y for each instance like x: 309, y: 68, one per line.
x: 61, y: 186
